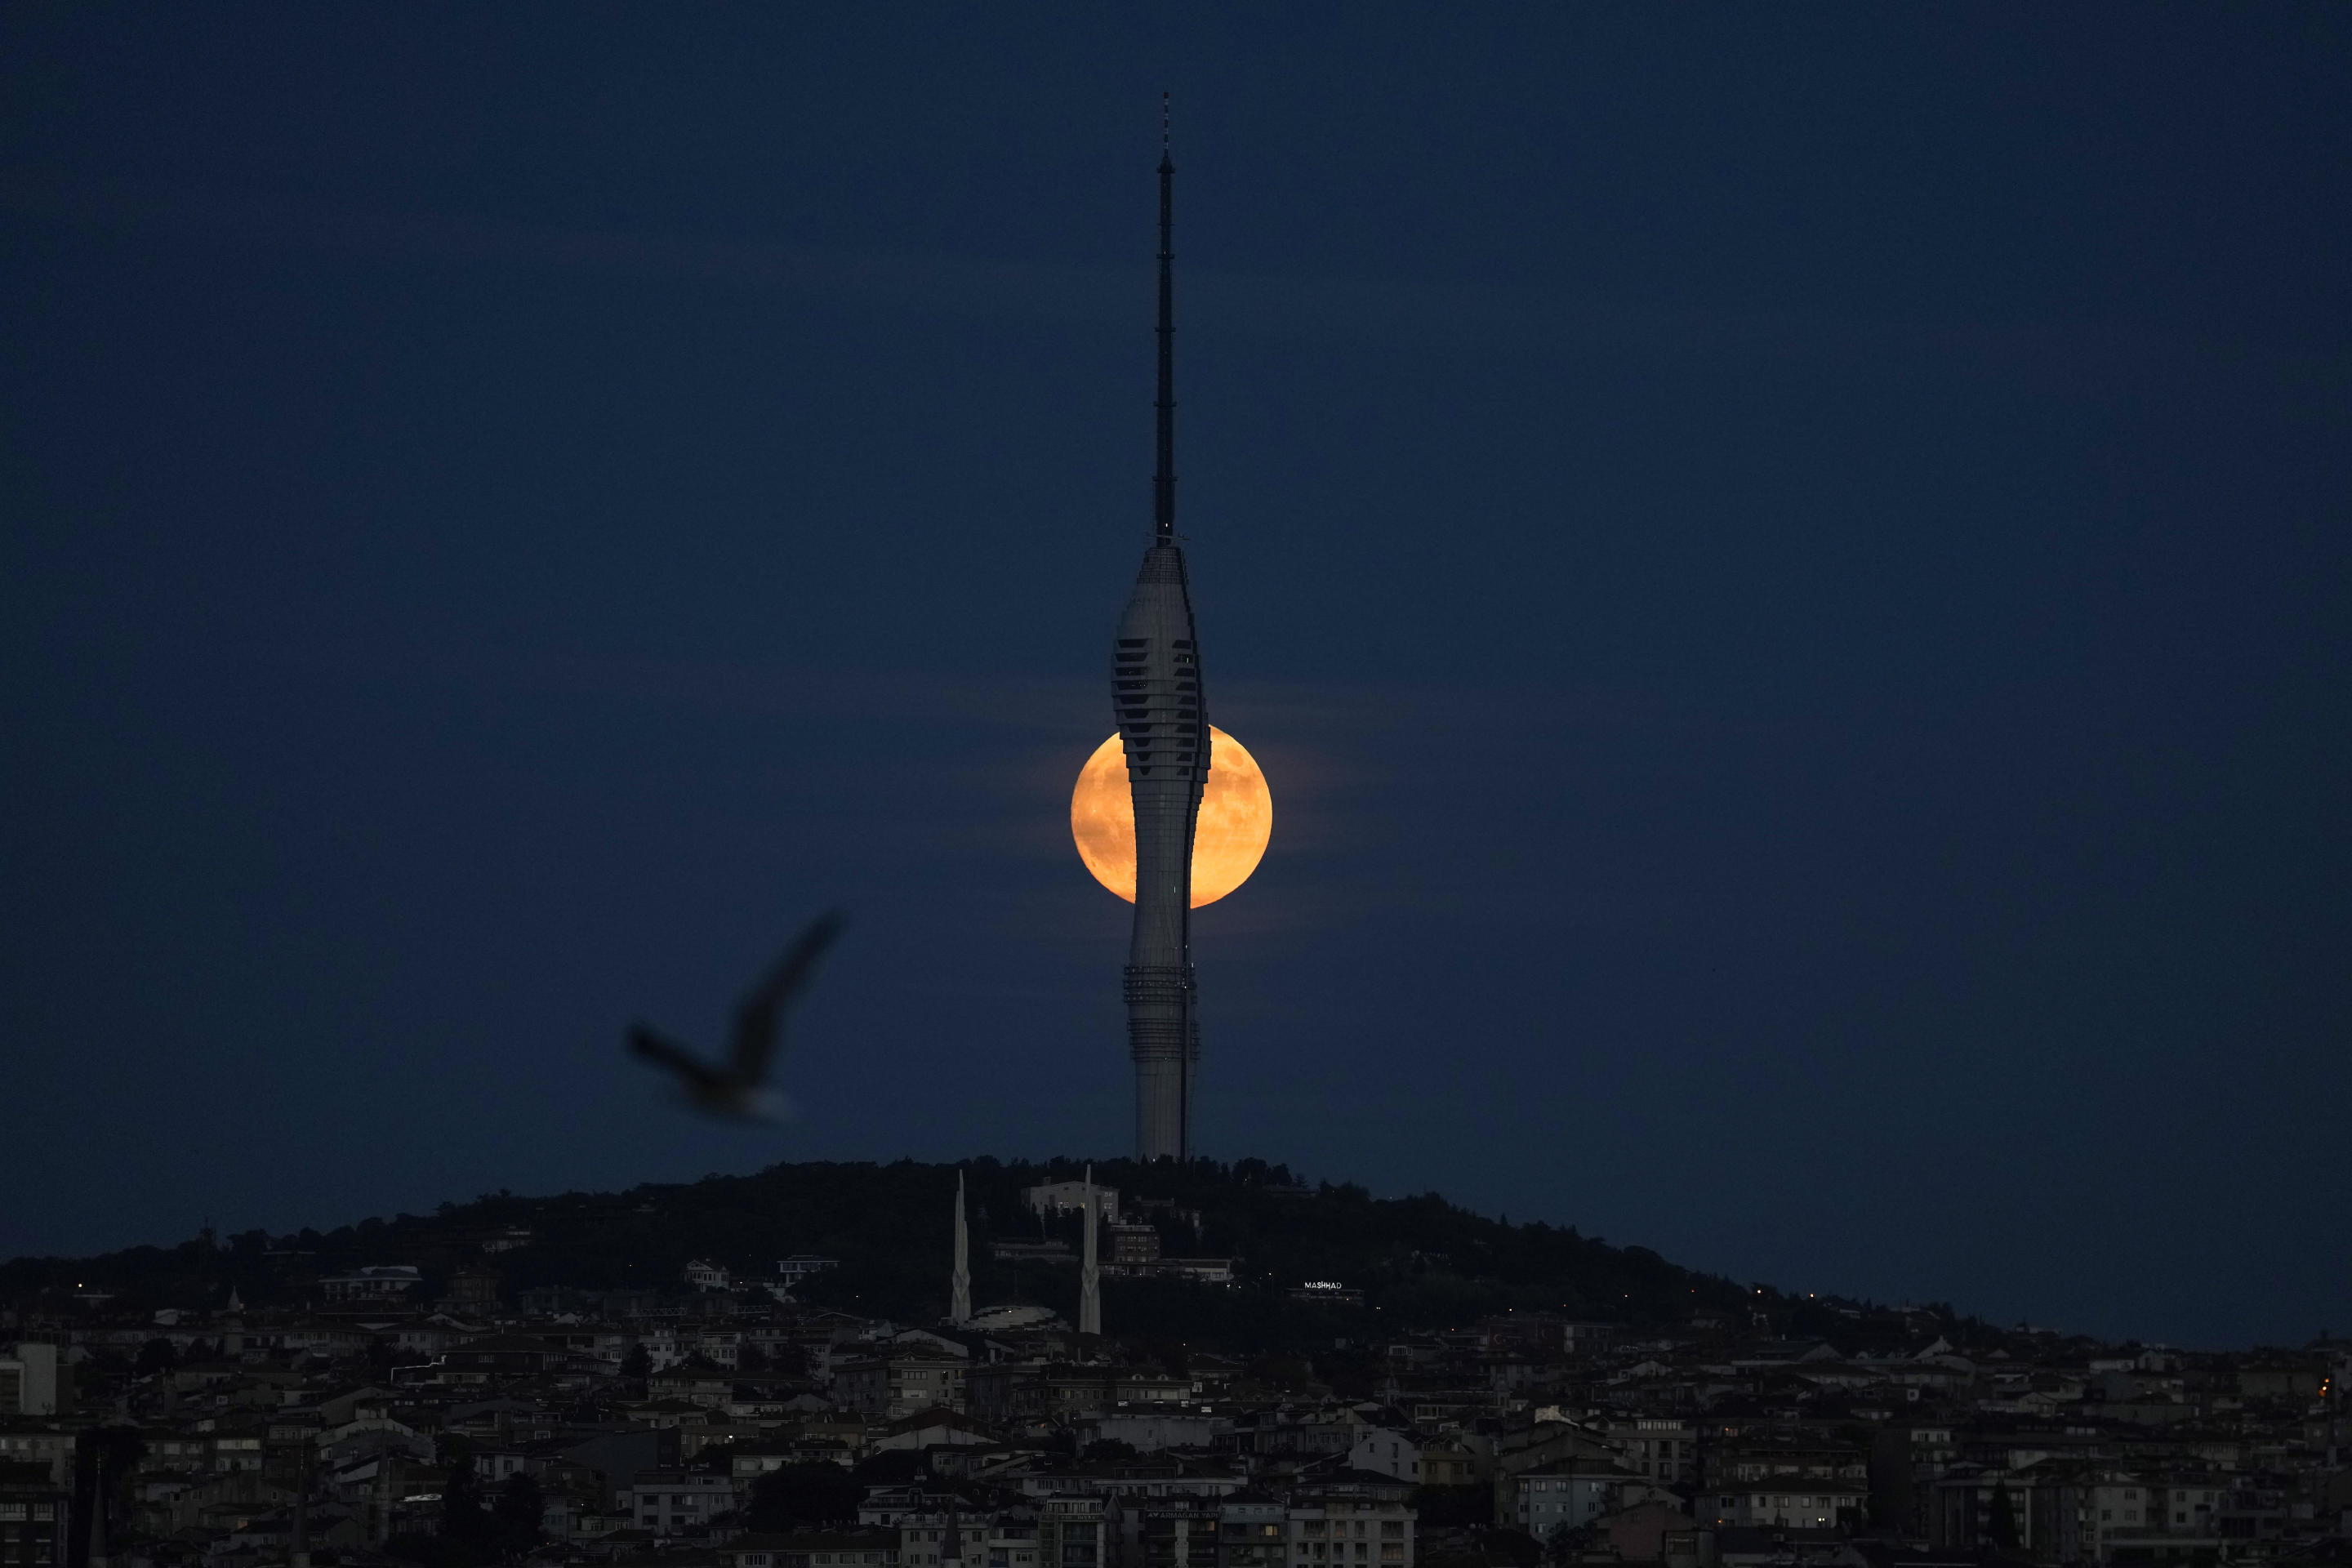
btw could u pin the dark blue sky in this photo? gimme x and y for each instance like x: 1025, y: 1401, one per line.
x: 1788, y: 569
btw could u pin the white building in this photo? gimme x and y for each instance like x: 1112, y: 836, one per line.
x: 1338, y: 1524
x: 35, y: 1381
x: 51, y: 1446
x: 792, y: 1272
x: 895, y: 1386
x: 1069, y: 1197
x: 1387, y: 1451
x: 376, y: 1282
x: 1788, y: 1502
x: 1566, y: 1495
x: 1660, y: 1449
x: 674, y: 1503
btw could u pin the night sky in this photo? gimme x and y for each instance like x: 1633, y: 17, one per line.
x: 1788, y: 569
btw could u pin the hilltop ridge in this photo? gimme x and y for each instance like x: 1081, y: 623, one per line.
x: 1401, y: 1264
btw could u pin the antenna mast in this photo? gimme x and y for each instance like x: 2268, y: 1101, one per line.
x: 1163, y: 482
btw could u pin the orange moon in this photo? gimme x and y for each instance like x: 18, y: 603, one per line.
x: 1236, y: 820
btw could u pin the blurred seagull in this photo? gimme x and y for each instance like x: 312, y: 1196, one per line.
x: 736, y: 1089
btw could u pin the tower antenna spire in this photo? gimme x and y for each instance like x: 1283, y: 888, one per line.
x: 1164, y: 481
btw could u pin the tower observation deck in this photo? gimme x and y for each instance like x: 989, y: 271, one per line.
x: 1164, y: 726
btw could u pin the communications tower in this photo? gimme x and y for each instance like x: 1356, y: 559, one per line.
x: 1164, y: 726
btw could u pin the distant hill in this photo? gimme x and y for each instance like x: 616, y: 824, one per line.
x: 1419, y: 1262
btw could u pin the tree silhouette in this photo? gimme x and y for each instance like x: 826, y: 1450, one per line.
x: 800, y: 1495
x: 2004, y: 1520
x: 462, y: 1517
x: 518, y: 1511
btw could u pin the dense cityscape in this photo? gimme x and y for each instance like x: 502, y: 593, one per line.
x: 1286, y: 1375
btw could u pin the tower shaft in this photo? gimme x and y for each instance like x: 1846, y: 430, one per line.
x: 1164, y: 731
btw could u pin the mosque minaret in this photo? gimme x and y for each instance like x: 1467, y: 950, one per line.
x: 959, y: 1282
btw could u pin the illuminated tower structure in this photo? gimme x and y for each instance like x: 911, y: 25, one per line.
x: 1164, y: 726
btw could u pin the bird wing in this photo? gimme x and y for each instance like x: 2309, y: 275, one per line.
x: 679, y: 1061
x: 757, y: 1018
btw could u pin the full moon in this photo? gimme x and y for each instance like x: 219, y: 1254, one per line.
x: 1236, y: 820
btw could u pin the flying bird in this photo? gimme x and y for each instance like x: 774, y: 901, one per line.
x: 737, y: 1087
